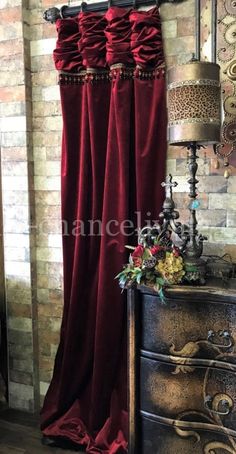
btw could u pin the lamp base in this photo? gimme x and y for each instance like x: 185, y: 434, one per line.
x: 195, y: 270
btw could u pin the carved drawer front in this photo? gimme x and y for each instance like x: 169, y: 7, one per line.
x: 189, y: 329
x: 164, y: 439
x: 188, y: 393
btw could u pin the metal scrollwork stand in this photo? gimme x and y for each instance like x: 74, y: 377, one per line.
x: 194, y: 265
x: 170, y: 231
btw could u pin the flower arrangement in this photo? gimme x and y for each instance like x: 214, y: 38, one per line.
x: 157, y: 266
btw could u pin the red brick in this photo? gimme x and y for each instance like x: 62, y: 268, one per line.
x: 8, y: 15
x: 19, y: 310
x: 171, y: 60
x: 49, y: 30
x: 50, y: 3
x: 8, y: 94
x: 45, y: 348
x: 177, y: 152
x: 49, y: 336
x: 221, y: 169
x: 55, y: 296
x: 185, y: 26
x: 50, y: 310
x: 46, y: 364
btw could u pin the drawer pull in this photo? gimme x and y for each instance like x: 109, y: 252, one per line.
x: 225, y: 405
x: 223, y: 334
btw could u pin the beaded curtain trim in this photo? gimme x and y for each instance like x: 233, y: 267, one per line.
x: 93, y: 76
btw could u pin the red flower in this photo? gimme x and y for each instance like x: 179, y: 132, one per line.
x: 137, y: 261
x: 155, y: 249
x: 138, y: 252
x: 176, y: 252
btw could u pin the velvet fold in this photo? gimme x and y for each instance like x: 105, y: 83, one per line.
x: 118, y: 35
x: 122, y: 36
x: 146, y: 39
x: 113, y: 101
x: 66, y: 55
x: 92, y: 44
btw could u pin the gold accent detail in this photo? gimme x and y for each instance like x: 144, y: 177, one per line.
x: 202, y: 120
x: 117, y: 66
x: 231, y: 70
x: 224, y: 150
x: 227, y: 174
x: 189, y: 350
x: 230, y: 33
x: 229, y: 131
x: 201, y: 82
x: 194, y: 132
x: 183, y: 369
x: 213, y: 445
x: 178, y: 422
x: 218, y: 399
x: 230, y: 104
x: 194, y: 71
x: 187, y: 433
x: 194, y: 108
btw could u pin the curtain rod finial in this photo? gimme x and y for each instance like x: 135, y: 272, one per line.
x: 83, y: 6
x: 51, y: 15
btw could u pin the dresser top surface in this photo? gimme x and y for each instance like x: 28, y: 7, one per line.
x: 214, y: 289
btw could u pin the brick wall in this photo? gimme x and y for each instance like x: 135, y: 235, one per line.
x: 17, y: 191
x: 30, y: 137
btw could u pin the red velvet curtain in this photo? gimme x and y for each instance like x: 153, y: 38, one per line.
x: 113, y: 161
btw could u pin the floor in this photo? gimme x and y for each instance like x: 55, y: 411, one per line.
x: 20, y: 434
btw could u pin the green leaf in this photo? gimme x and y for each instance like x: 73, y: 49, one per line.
x: 136, y: 269
x: 160, y: 281
x: 162, y: 296
x: 191, y: 268
x: 139, y: 277
x: 131, y: 262
x: 146, y: 254
x: 123, y: 280
x: 119, y: 275
x: 124, y: 272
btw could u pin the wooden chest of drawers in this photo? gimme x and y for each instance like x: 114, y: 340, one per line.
x: 182, y: 371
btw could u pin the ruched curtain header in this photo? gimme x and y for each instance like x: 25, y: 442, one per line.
x: 120, y: 37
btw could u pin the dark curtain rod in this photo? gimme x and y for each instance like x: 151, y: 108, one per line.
x: 52, y: 14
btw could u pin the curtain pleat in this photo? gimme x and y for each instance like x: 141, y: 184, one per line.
x: 113, y: 161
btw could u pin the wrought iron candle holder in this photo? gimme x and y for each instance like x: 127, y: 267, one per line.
x: 169, y: 231
x: 194, y: 120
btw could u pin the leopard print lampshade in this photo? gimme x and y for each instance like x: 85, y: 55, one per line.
x: 194, y: 104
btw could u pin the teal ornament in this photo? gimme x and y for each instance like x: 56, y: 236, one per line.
x: 162, y: 296
x: 195, y: 204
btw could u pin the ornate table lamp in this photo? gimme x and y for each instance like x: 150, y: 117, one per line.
x: 194, y: 120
